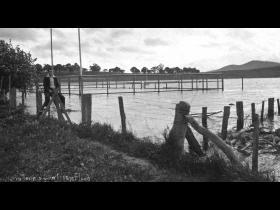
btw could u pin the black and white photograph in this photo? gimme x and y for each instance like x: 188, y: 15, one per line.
x: 139, y: 105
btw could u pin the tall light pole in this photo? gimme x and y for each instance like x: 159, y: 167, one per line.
x: 81, y: 68
x: 51, y: 50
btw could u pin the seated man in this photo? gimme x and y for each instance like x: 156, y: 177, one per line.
x: 50, y: 85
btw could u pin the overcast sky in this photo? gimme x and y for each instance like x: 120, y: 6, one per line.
x: 205, y: 49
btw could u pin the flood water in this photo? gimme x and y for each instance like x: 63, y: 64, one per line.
x: 148, y: 114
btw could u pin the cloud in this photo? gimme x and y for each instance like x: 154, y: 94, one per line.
x: 19, y: 34
x: 155, y: 42
x: 239, y: 33
x: 117, y: 33
x: 132, y: 49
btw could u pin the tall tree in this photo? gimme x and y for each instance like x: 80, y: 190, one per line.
x: 144, y: 70
x: 95, y: 68
x: 134, y: 70
x: 18, y: 64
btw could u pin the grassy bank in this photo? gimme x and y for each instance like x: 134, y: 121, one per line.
x: 53, y: 151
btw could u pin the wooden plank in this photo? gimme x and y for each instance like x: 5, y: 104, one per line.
x: 193, y: 143
x: 262, y: 111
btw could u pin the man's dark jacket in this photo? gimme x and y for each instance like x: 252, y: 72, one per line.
x: 47, y: 84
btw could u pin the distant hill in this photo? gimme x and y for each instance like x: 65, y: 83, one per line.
x: 252, y: 69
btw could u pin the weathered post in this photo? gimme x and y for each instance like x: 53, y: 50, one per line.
x: 192, y: 83
x: 69, y: 86
x: 133, y: 86
x: 222, y: 83
x: 255, y: 144
x: 225, y: 122
x: 107, y: 87
x: 176, y: 139
x: 270, y: 113
x: 202, y: 79
x: 278, y: 106
x: 158, y: 84
x: 13, y: 98
x: 242, y: 83
x: 122, y: 113
x: 204, y: 124
x: 240, y: 115
x: 86, y: 108
x: 181, y: 83
x: 253, y: 112
x: 262, y: 111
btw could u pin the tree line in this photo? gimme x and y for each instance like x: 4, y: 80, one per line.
x: 95, y: 68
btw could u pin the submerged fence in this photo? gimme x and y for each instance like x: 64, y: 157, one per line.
x: 135, y: 83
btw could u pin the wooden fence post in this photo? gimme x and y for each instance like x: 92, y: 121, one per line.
x: 202, y: 80
x: 242, y: 83
x: 253, y: 112
x: 204, y: 124
x: 240, y: 115
x: 122, y: 113
x: 69, y: 87
x: 225, y: 122
x: 133, y: 85
x: 192, y: 83
x: 181, y: 83
x: 86, y: 108
x: 222, y: 83
x: 107, y: 86
x: 177, y: 134
x: 270, y: 113
x: 255, y: 144
x: 278, y: 106
x: 158, y: 84
x: 262, y: 111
